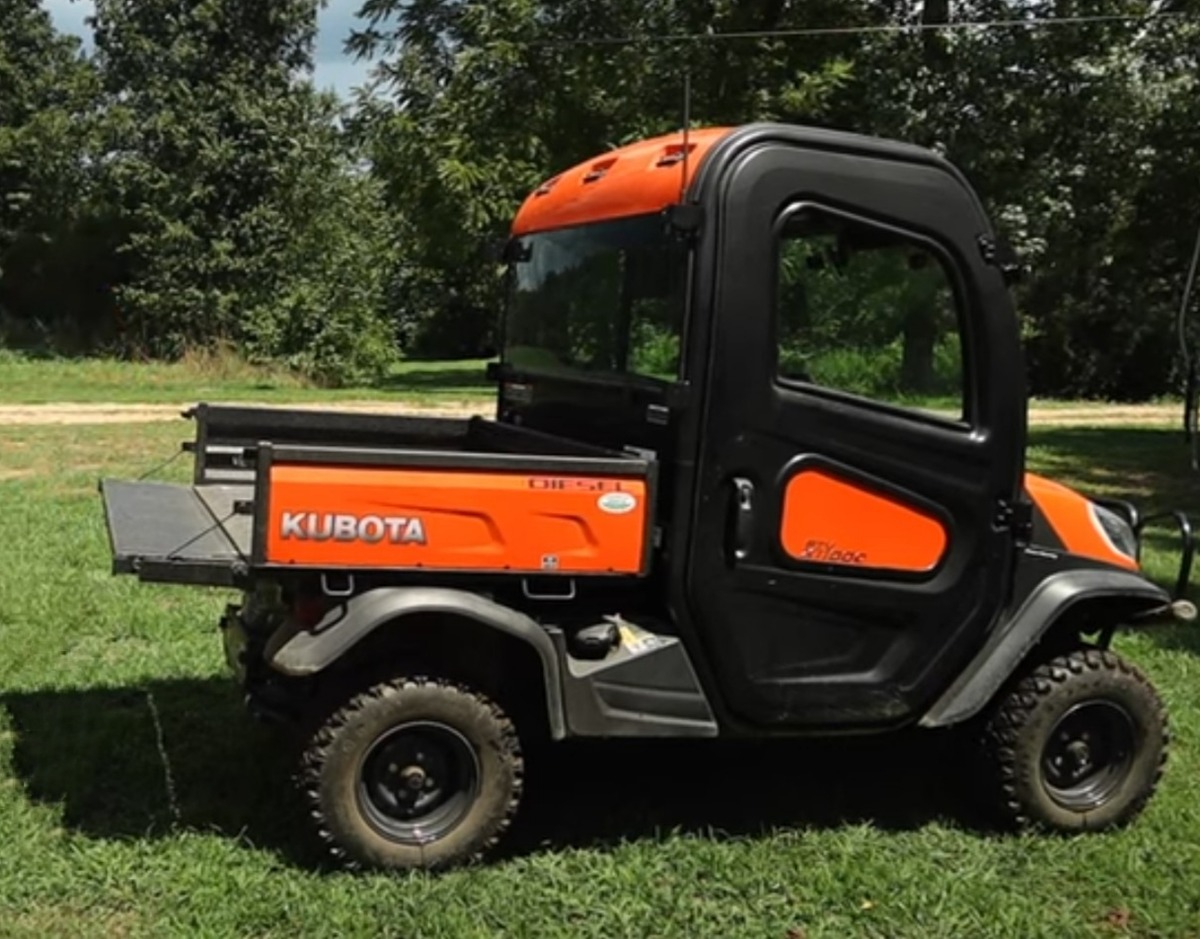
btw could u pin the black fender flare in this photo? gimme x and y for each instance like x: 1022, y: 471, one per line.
x: 297, y: 651
x: 1011, y: 640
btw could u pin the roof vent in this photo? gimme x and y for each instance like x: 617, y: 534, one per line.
x: 544, y: 188
x: 599, y: 170
x: 674, y: 153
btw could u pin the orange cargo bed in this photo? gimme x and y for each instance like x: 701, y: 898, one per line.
x: 469, y: 497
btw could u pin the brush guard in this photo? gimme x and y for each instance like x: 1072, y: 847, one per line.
x: 1139, y: 523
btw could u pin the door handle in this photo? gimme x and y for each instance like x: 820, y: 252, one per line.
x: 741, y: 528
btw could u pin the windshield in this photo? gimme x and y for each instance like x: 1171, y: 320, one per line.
x: 605, y: 298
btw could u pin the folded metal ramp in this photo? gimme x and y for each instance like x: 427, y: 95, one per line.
x: 173, y: 533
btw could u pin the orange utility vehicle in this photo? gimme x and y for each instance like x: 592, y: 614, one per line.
x: 756, y: 469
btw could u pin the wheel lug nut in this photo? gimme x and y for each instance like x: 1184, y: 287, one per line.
x: 414, y: 777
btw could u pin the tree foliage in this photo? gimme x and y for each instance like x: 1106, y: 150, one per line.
x: 246, y: 220
x: 1081, y: 139
x: 477, y: 102
x: 47, y: 247
x: 186, y: 184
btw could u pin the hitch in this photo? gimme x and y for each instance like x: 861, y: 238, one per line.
x: 1184, y: 611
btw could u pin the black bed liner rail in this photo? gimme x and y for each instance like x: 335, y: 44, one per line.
x: 228, y: 436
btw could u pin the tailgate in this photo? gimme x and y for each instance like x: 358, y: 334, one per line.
x: 178, y: 533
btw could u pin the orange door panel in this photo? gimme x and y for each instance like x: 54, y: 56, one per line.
x: 321, y: 516
x: 827, y: 520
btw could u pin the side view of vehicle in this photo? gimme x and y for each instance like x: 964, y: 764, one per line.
x: 756, y: 469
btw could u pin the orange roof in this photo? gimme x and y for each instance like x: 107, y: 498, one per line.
x: 634, y: 180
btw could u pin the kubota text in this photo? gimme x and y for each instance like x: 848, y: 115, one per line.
x: 313, y: 526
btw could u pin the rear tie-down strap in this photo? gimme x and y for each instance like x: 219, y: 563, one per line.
x: 160, y: 467
x: 218, y: 523
x: 173, y: 555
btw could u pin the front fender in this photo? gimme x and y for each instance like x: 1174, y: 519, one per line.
x: 298, y: 651
x: 1011, y: 641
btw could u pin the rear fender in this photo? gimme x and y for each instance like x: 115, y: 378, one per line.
x: 1012, y: 640
x: 297, y: 651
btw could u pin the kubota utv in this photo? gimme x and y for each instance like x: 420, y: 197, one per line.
x: 756, y: 469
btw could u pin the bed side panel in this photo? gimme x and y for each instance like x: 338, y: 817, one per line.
x: 365, y: 517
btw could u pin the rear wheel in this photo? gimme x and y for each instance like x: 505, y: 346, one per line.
x: 1078, y: 745
x: 413, y: 774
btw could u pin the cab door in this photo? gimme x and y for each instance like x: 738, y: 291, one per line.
x: 861, y: 435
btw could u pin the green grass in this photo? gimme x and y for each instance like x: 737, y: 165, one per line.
x: 137, y: 799
x: 219, y: 378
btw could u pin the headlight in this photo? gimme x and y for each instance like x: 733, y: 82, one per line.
x: 1116, y: 531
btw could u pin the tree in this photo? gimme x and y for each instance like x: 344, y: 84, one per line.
x: 226, y: 167
x: 47, y: 92
x: 1051, y: 126
x: 1064, y: 130
x: 477, y: 102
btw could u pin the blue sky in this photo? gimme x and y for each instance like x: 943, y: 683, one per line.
x: 334, y: 69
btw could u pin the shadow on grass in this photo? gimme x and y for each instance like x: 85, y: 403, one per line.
x: 100, y: 755
x: 1146, y: 465
x: 589, y: 793
x: 144, y: 762
x: 437, y: 379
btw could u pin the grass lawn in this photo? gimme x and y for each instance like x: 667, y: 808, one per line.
x: 218, y: 378
x: 136, y: 798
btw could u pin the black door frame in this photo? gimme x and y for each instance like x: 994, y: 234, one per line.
x: 997, y: 407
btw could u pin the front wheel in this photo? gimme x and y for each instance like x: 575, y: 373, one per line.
x: 413, y: 773
x: 1078, y: 745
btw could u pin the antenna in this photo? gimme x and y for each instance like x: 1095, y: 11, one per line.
x: 1190, y: 403
x: 687, y: 123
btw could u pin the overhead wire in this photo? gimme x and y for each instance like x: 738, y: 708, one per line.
x: 881, y: 29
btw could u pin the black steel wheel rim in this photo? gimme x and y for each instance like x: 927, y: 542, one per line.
x: 1089, y: 754
x: 417, y: 782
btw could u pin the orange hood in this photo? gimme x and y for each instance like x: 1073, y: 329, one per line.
x: 1070, y: 515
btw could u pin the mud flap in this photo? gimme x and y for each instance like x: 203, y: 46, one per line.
x: 170, y: 533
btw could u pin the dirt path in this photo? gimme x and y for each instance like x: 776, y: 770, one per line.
x: 1100, y: 415
x: 67, y: 413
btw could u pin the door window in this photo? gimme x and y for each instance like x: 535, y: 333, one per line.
x: 868, y: 311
